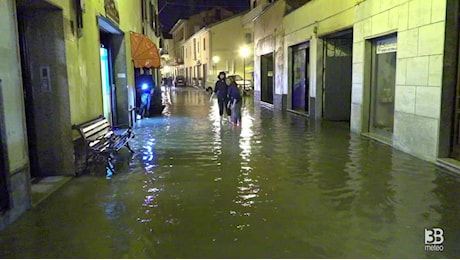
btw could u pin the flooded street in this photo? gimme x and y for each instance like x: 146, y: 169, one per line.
x: 279, y: 186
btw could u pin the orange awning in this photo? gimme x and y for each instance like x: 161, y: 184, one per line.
x: 144, y: 52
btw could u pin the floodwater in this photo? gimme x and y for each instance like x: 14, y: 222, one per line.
x: 279, y: 186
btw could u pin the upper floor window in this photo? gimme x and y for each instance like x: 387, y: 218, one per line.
x: 194, y: 49
x: 204, y: 44
x: 248, y: 38
x: 153, y: 15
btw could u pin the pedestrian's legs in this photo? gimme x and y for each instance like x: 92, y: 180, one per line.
x: 228, y: 109
x: 221, y: 103
x: 238, y: 111
x: 141, y: 110
x: 147, y: 106
x: 234, y: 113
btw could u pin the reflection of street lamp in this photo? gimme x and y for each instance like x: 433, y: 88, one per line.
x: 215, y: 60
x: 244, y: 52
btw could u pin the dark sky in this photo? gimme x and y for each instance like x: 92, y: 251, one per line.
x: 173, y: 10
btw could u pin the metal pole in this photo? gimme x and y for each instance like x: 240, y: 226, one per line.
x: 244, y: 73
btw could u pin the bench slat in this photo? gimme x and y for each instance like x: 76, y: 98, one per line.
x: 102, y: 140
x: 97, y: 132
x: 93, y: 124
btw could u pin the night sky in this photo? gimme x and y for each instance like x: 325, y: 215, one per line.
x: 173, y: 10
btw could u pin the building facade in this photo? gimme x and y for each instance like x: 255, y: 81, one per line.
x: 217, y: 47
x: 63, y: 63
x: 193, y: 45
x: 388, y: 67
x: 397, y: 73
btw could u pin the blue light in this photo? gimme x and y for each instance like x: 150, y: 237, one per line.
x: 145, y: 86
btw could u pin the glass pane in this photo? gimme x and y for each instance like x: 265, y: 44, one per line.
x: 383, y: 88
x: 298, y: 80
x: 105, y: 77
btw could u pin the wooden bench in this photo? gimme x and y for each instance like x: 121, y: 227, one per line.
x: 102, y: 141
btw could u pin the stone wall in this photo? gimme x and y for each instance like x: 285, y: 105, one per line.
x: 420, y: 26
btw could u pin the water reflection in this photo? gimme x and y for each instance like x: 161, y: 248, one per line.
x: 279, y: 186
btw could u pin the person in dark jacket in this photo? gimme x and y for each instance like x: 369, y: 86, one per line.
x: 221, y: 89
x: 236, y: 101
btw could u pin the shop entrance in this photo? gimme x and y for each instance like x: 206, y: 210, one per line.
x: 337, y: 76
x: 115, y: 96
x: 266, y: 88
x: 300, y: 78
x: 383, y: 80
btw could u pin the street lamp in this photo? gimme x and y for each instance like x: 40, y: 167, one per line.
x: 215, y: 60
x: 244, y: 52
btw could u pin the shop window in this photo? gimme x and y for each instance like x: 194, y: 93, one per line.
x: 383, y: 80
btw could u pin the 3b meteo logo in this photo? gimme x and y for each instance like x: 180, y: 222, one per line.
x: 434, y: 238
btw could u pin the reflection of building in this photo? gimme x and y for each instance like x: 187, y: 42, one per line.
x: 384, y: 66
x: 75, y: 64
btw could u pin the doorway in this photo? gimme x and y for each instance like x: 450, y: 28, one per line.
x: 300, y: 88
x: 267, y: 74
x: 115, y: 94
x: 337, y: 67
x: 383, y: 81
x: 106, y: 83
x: 45, y: 86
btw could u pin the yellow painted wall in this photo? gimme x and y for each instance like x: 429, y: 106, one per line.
x: 201, y: 54
x: 11, y: 90
x: 82, y: 54
x: 328, y: 15
x: 227, y: 38
x: 268, y: 38
x: 307, y: 24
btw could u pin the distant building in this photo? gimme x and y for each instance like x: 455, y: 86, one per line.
x: 216, y: 48
x: 167, y: 56
x: 185, y: 28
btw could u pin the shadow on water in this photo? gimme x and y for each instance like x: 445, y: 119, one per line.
x: 279, y: 186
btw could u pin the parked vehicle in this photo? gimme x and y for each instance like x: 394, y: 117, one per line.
x: 210, y: 83
x: 179, y: 81
x: 244, y: 85
x: 245, y: 88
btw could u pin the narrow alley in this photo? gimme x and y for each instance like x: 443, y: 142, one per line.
x: 279, y: 186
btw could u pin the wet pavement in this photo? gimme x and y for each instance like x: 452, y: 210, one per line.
x: 279, y: 186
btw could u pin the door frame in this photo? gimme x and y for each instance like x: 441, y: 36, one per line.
x: 323, y: 95
x: 4, y: 194
x: 264, y: 77
x: 307, y: 47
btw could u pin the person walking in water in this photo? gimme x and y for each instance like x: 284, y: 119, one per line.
x: 221, y: 89
x: 236, y: 100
